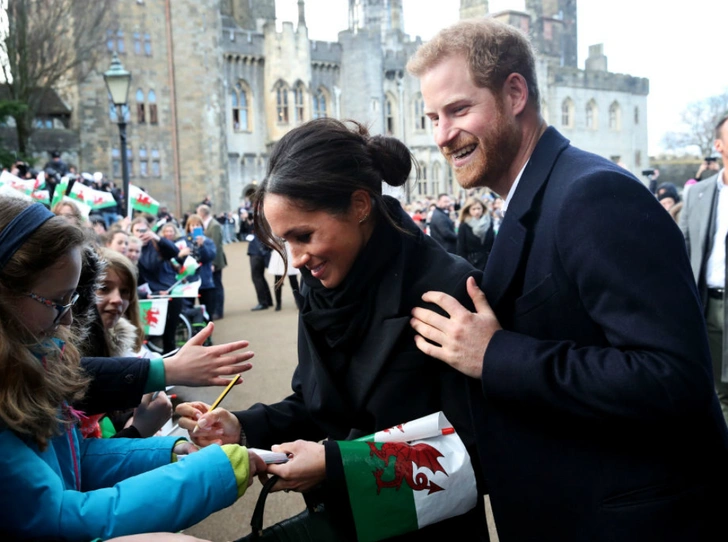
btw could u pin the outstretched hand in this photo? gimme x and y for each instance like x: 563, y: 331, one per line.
x: 305, y: 468
x: 461, y: 339
x: 198, y: 365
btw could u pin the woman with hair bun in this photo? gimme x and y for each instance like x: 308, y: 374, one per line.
x: 365, y: 265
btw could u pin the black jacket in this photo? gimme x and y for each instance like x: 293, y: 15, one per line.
x: 442, y: 230
x: 389, y: 380
x: 470, y: 247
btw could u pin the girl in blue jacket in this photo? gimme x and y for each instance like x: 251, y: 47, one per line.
x: 56, y: 485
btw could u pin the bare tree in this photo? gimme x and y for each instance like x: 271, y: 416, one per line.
x: 699, y: 120
x: 47, y: 42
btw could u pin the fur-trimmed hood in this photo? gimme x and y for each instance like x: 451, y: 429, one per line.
x: 84, y: 311
x: 122, y: 339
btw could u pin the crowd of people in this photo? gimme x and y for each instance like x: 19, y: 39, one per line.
x: 584, y: 394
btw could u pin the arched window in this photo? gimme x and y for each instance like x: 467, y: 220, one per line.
x: 120, y: 42
x: 422, y: 181
x: 567, y: 113
x: 592, y: 115
x: 130, y: 159
x: 152, y: 99
x: 320, y: 104
x: 156, y: 169
x: 110, y: 42
x: 436, y: 177
x: 137, y: 43
x: 420, y: 118
x: 636, y: 115
x: 115, y: 162
x: 281, y: 90
x: 240, y: 102
x: 141, y: 118
x: 298, y: 100
x: 147, y: 45
x: 615, y: 116
x: 390, y: 115
x: 143, y: 161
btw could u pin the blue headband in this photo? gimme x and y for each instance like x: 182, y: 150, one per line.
x: 20, y: 228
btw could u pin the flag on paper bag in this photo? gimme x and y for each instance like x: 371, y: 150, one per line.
x: 407, y: 477
x: 189, y: 268
x: 141, y: 201
x: 186, y: 289
x: 154, y: 315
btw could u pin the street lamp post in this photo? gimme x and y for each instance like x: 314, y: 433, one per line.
x: 117, y: 81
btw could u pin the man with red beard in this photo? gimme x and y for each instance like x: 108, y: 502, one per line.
x: 592, y: 390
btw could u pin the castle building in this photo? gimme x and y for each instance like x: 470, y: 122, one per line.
x: 215, y: 85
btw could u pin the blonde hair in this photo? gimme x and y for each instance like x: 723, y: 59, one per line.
x: 75, y: 210
x: 493, y: 51
x: 127, y: 272
x: 161, y: 229
x: 31, y: 392
x: 465, y: 210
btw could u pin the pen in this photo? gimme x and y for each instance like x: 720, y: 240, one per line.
x: 221, y: 397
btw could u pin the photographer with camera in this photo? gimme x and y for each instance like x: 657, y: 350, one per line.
x: 710, y: 164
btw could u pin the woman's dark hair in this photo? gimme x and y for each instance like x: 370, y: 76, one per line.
x: 320, y: 164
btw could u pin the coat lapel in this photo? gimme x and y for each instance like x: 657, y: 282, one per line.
x: 508, y: 249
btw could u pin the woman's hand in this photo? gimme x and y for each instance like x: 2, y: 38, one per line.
x: 152, y: 414
x: 200, y: 240
x: 183, y: 252
x: 219, y: 426
x: 305, y: 469
x: 197, y: 365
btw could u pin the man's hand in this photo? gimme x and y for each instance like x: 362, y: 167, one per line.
x: 305, y: 468
x: 217, y: 426
x: 462, y: 338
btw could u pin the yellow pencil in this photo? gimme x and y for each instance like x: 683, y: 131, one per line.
x: 222, y: 396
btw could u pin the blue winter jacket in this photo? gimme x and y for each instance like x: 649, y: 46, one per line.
x: 83, y: 489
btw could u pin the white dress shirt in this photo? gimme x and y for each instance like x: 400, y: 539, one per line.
x: 715, y: 272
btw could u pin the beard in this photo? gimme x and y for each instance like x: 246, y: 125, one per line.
x: 496, y: 151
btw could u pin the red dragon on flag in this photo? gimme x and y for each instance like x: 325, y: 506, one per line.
x: 143, y: 199
x: 406, y: 457
x: 150, y: 317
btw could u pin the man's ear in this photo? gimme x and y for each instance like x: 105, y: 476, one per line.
x: 515, y: 89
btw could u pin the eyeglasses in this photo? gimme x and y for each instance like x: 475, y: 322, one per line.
x: 61, y: 310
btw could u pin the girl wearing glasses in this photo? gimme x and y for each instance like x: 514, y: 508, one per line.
x: 56, y: 485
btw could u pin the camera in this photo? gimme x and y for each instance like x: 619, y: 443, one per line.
x: 648, y: 172
x: 710, y: 158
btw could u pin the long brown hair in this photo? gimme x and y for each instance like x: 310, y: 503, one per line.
x: 127, y: 272
x: 31, y: 393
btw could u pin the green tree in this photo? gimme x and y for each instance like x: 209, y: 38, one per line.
x: 44, y: 44
x: 699, y: 120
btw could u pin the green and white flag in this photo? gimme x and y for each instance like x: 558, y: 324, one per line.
x: 26, y: 186
x: 407, y: 477
x: 141, y: 201
x: 8, y: 191
x: 100, y: 199
x: 189, y: 268
x: 41, y: 196
x: 186, y: 289
x: 60, y: 191
x: 154, y: 315
x: 81, y: 193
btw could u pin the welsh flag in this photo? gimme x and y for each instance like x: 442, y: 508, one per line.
x: 154, y: 315
x: 189, y: 268
x: 41, y: 196
x: 27, y: 187
x: 80, y: 192
x: 407, y: 477
x: 187, y: 289
x: 100, y: 199
x: 60, y: 191
x: 141, y: 201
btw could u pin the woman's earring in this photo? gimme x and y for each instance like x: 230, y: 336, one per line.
x: 362, y: 219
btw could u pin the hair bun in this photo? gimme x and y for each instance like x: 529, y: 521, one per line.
x: 391, y: 158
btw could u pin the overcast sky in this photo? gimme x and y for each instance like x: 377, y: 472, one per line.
x: 682, y: 51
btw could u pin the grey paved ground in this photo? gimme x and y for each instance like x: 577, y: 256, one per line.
x: 272, y: 337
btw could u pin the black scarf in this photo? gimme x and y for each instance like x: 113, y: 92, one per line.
x: 340, y: 316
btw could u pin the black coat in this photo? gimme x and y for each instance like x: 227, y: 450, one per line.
x: 116, y: 384
x: 470, y: 247
x: 389, y: 380
x: 601, y: 422
x: 442, y: 230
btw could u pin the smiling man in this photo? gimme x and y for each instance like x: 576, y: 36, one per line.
x: 597, y: 418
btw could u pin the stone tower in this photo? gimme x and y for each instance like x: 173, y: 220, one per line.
x: 473, y: 8
x: 251, y: 15
x: 385, y: 15
x: 553, y: 29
